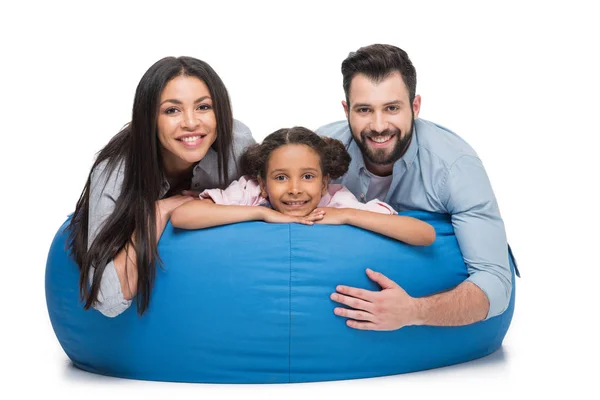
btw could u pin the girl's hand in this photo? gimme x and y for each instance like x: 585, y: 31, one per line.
x: 275, y: 217
x: 333, y: 216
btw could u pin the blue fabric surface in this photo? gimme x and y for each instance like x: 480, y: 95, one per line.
x: 249, y: 303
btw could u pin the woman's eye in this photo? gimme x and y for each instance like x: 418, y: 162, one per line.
x: 171, y: 110
x: 204, y: 107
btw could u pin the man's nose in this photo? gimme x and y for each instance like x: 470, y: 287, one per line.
x: 378, y: 123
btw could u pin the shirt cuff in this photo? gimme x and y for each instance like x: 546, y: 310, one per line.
x: 497, y: 291
x: 111, y: 301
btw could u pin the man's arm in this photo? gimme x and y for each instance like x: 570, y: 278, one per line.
x: 480, y: 233
x: 463, y: 305
x: 392, y: 308
x: 479, y: 229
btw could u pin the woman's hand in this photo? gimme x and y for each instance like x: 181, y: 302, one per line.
x: 166, y: 206
x: 275, y: 217
x: 195, y: 194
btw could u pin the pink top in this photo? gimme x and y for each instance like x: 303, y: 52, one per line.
x: 246, y: 192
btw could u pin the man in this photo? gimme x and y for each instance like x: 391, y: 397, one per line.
x: 411, y: 163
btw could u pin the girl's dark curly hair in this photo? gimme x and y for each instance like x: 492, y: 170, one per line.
x: 334, y: 157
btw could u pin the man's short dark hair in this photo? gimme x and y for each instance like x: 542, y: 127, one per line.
x: 377, y: 62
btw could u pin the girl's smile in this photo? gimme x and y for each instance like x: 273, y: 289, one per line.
x: 294, y: 181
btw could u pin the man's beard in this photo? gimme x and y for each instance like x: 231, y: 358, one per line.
x: 384, y: 156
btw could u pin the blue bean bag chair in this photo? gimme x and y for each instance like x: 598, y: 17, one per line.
x: 249, y: 303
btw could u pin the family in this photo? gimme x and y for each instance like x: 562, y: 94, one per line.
x: 185, y: 159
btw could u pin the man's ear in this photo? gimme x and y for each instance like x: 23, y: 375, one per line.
x: 325, y: 185
x: 416, y: 106
x: 263, y: 187
x: 345, y: 105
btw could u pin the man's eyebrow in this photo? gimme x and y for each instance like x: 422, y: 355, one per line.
x: 175, y: 101
x: 389, y: 103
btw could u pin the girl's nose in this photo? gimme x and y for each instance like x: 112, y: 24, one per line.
x: 294, y: 187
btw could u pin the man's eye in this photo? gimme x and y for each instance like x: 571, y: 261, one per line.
x: 393, y: 108
x: 363, y: 110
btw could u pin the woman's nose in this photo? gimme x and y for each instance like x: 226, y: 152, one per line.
x: 190, y: 120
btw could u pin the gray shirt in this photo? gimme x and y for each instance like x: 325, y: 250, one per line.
x: 379, y: 186
x: 441, y: 173
x: 105, y: 189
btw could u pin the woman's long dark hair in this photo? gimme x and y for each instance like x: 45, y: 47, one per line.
x: 138, y: 146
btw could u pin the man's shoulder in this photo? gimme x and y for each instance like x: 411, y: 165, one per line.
x: 337, y: 130
x: 441, y: 142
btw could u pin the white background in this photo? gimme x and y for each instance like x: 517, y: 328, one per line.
x: 519, y: 81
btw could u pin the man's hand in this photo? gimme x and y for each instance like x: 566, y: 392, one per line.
x: 275, y: 217
x: 386, y: 310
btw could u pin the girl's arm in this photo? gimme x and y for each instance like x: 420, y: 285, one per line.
x: 200, y: 214
x: 405, y: 229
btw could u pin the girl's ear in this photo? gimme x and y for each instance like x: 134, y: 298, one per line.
x: 325, y: 185
x: 263, y: 187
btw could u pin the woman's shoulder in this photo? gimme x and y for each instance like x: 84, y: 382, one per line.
x: 242, y: 136
x: 109, y: 173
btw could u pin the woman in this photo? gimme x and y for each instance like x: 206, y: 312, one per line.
x: 181, y: 136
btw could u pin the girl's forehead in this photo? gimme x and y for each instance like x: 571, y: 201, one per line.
x: 294, y: 156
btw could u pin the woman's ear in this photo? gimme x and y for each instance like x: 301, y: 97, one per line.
x: 263, y: 187
x: 325, y: 185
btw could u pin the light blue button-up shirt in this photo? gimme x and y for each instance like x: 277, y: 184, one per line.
x: 441, y: 173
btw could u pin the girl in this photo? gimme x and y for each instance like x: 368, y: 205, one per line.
x: 181, y: 133
x: 289, y: 174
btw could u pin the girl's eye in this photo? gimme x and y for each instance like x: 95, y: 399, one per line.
x: 308, y: 176
x: 280, y: 178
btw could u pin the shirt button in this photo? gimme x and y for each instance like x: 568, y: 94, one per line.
x: 196, y: 185
x: 362, y: 195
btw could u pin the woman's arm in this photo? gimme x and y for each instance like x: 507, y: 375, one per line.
x: 105, y: 189
x: 125, y: 260
x: 405, y: 229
